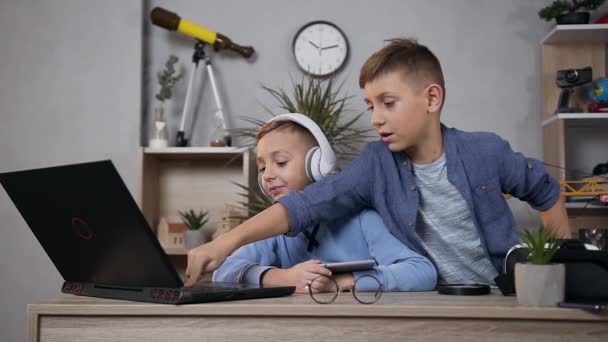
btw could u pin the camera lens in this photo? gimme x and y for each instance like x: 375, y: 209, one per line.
x: 571, y: 76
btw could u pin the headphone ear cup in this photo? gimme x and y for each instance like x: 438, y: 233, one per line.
x: 313, y: 164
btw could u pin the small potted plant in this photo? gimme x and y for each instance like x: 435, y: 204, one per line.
x: 569, y: 12
x: 167, y: 79
x: 539, y: 282
x: 194, y: 236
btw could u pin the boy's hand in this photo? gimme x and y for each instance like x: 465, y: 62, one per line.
x: 346, y: 281
x: 301, y: 275
x: 206, y: 258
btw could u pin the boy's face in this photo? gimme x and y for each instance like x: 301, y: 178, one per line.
x: 280, y: 160
x: 399, y: 112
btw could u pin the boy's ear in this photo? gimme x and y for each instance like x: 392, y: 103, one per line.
x: 434, y: 97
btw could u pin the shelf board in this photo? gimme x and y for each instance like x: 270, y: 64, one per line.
x: 195, y: 150
x: 577, y: 116
x: 583, y: 205
x: 175, y: 251
x: 577, y: 34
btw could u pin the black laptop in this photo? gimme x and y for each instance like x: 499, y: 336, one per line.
x: 89, y: 225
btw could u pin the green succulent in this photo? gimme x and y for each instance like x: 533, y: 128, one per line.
x: 193, y: 220
x: 560, y: 7
x: 541, y: 245
x: 167, y: 79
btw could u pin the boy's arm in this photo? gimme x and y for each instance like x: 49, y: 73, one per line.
x: 557, y: 217
x: 259, y: 263
x: 337, y: 196
x: 315, y: 203
x: 527, y: 179
x: 299, y: 275
x: 208, y: 257
x: 248, y: 263
x: 399, y: 268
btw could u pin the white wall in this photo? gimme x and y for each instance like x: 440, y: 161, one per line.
x: 489, y: 50
x: 70, y: 88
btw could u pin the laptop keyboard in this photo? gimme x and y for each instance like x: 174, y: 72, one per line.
x: 217, y: 286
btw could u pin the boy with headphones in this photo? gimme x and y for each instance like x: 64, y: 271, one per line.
x: 439, y: 190
x: 293, y: 152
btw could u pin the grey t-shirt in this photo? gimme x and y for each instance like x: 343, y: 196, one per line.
x: 446, y: 229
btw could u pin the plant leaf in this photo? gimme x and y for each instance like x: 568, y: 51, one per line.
x: 541, y: 245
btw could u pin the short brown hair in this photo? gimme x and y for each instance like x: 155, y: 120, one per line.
x: 406, y: 55
x: 285, y: 124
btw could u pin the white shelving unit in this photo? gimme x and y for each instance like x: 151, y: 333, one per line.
x: 176, y: 251
x: 574, y: 140
x: 579, y: 118
x: 577, y: 34
x: 582, y: 205
x: 201, y: 178
x: 191, y: 151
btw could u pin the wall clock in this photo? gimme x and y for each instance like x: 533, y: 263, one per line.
x: 320, y: 48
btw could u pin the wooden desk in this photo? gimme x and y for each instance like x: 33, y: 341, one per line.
x: 396, y: 317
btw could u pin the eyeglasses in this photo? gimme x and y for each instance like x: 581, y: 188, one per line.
x: 366, y: 290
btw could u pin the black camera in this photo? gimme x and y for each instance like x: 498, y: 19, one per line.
x: 568, y: 79
x: 573, y: 77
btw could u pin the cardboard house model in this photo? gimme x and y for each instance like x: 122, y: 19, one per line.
x: 171, y: 235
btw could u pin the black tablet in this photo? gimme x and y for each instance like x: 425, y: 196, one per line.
x: 351, y: 266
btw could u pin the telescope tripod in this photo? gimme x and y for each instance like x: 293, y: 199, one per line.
x: 225, y: 140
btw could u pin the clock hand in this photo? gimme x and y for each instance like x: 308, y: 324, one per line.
x: 313, y: 44
x: 320, y: 41
x: 330, y: 47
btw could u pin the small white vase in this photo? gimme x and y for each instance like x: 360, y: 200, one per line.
x: 159, y: 138
x: 194, y: 238
x: 540, y: 285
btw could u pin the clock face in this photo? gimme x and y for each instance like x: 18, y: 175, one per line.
x: 320, y: 48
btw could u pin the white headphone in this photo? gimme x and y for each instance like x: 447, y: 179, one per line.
x: 320, y: 160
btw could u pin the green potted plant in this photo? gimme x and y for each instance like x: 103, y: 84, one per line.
x: 167, y: 79
x: 539, y: 282
x: 194, y: 221
x: 323, y: 102
x: 569, y: 12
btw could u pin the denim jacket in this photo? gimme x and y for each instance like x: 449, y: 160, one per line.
x: 482, y: 166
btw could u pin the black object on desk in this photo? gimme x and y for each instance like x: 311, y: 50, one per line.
x: 586, y: 272
x: 464, y: 289
x: 595, y: 307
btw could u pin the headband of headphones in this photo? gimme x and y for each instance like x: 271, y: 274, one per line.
x: 321, y: 160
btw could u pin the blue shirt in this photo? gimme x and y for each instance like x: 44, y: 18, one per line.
x: 481, y: 165
x: 362, y: 236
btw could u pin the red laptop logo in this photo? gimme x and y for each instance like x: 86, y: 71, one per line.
x: 82, y: 228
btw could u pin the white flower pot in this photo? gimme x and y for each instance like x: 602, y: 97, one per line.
x: 194, y: 238
x: 540, y: 285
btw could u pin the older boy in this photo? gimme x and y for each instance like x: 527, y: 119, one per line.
x: 295, y: 261
x: 439, y: 190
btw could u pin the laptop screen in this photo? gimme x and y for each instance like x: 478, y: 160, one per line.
x: 90, y: 226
